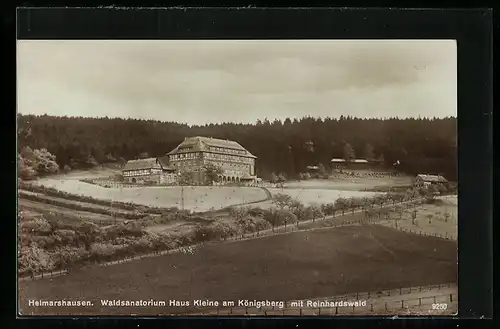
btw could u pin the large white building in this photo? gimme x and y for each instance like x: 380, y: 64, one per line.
x: 237, y: 164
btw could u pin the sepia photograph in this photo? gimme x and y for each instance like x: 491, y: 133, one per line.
x: 237, y: 177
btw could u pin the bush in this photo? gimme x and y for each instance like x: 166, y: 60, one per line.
x: 34, y: 260
x: 36, y: 226
x: 65, y: 236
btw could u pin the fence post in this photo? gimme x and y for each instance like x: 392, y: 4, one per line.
x: 231, y: 310
x: 402, y: 305
x: 300, y: 311
x: 386, y: 306
x: 451, y: 297
x: 246, y: 310
x: 357, y: 295
x: 420, y: 288
x: 371, y: 307
x: 319, y: 311
x: 336, y: 310
x: 434, y: 299
x: 420, y: 302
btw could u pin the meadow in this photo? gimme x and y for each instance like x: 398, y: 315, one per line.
x: 196, y: 198
x: 312, y: 195
x: 286, y: 267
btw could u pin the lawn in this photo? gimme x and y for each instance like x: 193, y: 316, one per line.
x: 349, y: 183
x: 309, y: 195
x: 287, y: 267
x: 199, y: 198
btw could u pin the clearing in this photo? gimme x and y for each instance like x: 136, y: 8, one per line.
x: 285, y: 267
x: 346, y: 183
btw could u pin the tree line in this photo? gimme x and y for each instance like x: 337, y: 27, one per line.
x: 412, y: 145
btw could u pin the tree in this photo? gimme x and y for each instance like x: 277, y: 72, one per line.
x: 314, y: 211
x: 342, y: 204
x: 282, y: 200
x: 430, y: 143
x: 285, y: 216
x: 272, y: 216
x: 322, y: 171
x: 274, y: 178
x: 298, y: 210
x: 212, y: 173
x: 381, y: 158
x: 238, y: 213
x: 143, y: 155
x: 349, y: 154
x: 368, y: 152
x: 36, y: 162
x: 413, y: 216
x: 446, y: 216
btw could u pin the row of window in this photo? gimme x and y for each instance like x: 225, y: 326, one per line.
x: 223, y: 157
x: 184, y: 156
x: 228, y: 158
x: 137, y: 172
x: 226, y: 150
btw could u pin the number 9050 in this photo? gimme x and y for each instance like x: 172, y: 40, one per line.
x: 443, y: 306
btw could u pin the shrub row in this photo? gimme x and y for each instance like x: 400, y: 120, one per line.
x: 81, y: 207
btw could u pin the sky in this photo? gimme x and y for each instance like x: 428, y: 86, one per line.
x: 209, y: 81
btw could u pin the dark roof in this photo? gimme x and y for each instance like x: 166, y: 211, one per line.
x: 142, y: 164
x: 200, y: 143
x: 432, y: 178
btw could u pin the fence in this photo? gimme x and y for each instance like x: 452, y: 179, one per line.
x: 443, y: 295
x: 44, y: 275
x: 445, y: 236
x: 299, y: 226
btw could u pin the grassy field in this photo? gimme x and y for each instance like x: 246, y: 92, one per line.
x: 309, y: 195
x: 200, y: 198
x: 287, y: 267
x: 430, y: 218
x: 349, y: 184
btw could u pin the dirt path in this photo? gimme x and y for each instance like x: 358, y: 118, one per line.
x: 62, y: 202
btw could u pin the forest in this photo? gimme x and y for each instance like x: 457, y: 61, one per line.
x: 410, y: 145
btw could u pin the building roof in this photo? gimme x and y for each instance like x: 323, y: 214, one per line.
x: 247, y: 176
x: 142, y: 164
x: 432, y: 178
x: 201, y: 143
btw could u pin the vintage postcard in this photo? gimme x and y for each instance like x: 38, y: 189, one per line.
x: 237, y: 177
